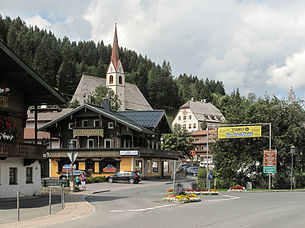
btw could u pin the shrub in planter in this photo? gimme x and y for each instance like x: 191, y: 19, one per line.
x: 90, y: 180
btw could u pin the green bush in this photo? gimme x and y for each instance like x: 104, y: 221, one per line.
x: 90, y: 180
x: 202, y: 173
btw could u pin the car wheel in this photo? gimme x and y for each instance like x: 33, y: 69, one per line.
x: 131, y: 181
x: 110, y: 180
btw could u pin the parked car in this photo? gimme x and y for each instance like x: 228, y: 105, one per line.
x: 193, y: 170
x: 75, y: 173
x: 184, y: 166
x: 122, y: 176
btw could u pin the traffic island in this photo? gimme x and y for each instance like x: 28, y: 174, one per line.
x: 182, y: 198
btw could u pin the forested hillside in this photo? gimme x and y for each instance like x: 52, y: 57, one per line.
x: 61, y: 63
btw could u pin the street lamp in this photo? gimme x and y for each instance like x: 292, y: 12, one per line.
x: 292, y: 150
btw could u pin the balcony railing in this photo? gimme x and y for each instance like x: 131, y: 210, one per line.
x: 21, y: 150
x: 111, y: 152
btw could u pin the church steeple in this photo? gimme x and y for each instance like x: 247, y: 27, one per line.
x: 115, y: 58
x: 115, y: 78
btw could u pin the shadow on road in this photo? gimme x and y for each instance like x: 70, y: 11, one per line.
x: 103, y: 198
x: 31, y: 202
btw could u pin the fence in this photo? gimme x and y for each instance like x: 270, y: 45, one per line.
x: 54, y: 182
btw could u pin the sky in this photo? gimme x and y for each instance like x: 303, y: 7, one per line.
x: 254, y: 45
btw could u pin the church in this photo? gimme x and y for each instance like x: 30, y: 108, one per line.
x: 129, y: 94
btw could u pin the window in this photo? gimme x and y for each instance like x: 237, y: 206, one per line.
x: 139, y: 166
x: 165, y: 167
x: 179, y: 117
x: 85, y: 123
x: 13, y: 176
x: 107, y: 143
x: 190, y: 125
x: 120, y: 80
x: 148, y: 165
x: 96, y: 123
x: 70, y: 126
x: 90, y: 143
x: 110, y: 125
x: 184, y: 126
x: 194, y: 126
x: 184, y: 117
x: 111, y: 79
x: 190, y: 117
x: 155, y: 167
x: 73, y: 143
x: 29, y: 175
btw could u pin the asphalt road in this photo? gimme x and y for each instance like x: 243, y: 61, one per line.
x: 142, y: 206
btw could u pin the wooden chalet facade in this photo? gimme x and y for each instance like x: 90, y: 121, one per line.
x: 20, y: 87
x: 107, y: 141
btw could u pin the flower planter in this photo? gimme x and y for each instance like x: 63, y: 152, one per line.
x: 202, y: 192
x: 237, y: 188
x: 182, y: 198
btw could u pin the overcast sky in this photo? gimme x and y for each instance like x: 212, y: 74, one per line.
x: 254, y: 45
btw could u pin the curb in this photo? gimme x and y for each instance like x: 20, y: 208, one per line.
x: 100, y: 191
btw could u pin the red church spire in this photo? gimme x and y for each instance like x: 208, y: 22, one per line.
x: 115, y: 58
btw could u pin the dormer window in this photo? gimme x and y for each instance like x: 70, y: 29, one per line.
x: 111, y: 79
x: 120, y: 80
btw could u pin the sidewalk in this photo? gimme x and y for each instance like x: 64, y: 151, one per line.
x: 75, y: 206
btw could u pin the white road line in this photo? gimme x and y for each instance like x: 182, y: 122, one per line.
x: 116, y: 210
x: 229, y: 198
x: 143, y: 209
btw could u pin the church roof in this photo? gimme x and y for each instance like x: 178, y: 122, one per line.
x: 115, y: 58
x: 134, y: 99
x: 204, y: 111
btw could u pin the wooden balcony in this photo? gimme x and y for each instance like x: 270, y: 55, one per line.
x: 112, y: 152
x: 21, y: 150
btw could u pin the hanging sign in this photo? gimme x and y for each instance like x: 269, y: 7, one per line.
x: 239, y: 132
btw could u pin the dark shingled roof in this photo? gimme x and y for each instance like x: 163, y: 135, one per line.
x: 107, y: 113
x: 148, y: 119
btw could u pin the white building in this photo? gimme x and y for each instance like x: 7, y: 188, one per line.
x: 193, y: 114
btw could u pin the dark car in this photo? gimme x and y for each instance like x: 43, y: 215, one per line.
x: 193, y: 170
x: 125, y: 176
x: 75, y: 173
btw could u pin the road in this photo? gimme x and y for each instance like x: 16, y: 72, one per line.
x: 142, y: 206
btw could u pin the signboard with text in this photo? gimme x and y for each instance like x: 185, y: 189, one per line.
x: 270, y: 161
x: 239, y: 132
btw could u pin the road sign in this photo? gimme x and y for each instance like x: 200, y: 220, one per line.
x: 210, y: 175
x: 270, y: 161
x: 72, y: 156
x: 67, y: 168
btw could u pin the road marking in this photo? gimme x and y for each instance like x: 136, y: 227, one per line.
x: 229, y: 198
x: 143, y: 209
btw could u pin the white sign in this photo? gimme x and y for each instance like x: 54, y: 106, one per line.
x: 129, y: 152
x: 72, y: 156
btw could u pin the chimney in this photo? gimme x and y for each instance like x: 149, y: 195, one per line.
x: 193, y: 99
x: 203, y: 101
x: 106, y: 104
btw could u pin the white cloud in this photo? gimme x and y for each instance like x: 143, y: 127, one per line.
x: 38, y: 21
x: 290, y: 74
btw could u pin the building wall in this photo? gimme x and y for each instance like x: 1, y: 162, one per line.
x: 189, y: 122
x: 7, y: 190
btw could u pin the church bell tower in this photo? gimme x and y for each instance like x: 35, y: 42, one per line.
x: 115, y: 77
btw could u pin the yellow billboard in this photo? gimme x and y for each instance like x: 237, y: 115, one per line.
x: 239, y: 132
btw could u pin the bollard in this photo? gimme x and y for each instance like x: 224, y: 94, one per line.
x: 62, y: 196
x: 50, y: 200
x: 18, y: 205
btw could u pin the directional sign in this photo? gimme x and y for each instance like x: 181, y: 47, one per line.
x: 66, y: 168
x: 270, y: 161
x: 72, y: 156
